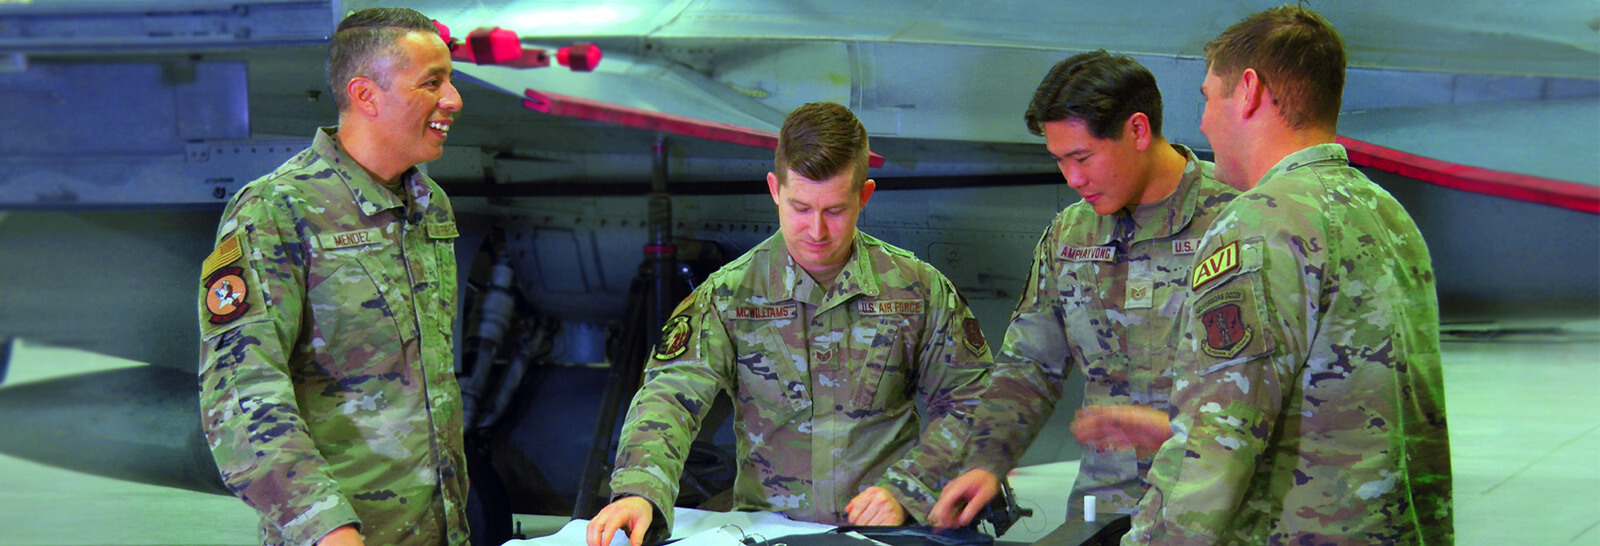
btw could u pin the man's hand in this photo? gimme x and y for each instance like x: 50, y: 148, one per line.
x: 1108, y: 428
x: 343, y: 536
x: 875, y: 506
x: 632, y: 513
x: 968, y: 493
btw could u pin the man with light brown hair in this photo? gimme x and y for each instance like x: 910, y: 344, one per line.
x: 826, y: 339
x: 1309, y: 408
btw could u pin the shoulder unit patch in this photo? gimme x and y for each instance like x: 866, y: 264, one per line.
x: 226, y: 295
x: 973, y: 336
x: 674, y: 338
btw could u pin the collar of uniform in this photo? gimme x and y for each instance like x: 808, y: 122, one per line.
x: 1160, y: 219
x: 1310, y: 155
x: 1169, y: 216
x: 369, y: 194
x: 784, y: 276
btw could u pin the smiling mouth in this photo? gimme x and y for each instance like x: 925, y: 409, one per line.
x: 441, y: 127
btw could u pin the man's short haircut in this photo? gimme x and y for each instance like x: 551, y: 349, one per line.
x: 819, y: 141
x: 364, y: 45
x: 1101, y: 90
x: 1298, y: 55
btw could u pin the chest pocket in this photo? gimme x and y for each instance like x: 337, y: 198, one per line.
x: 352, y: 305
x: 1084, y: 288
x: 773, y: 377
x: 881, y: 363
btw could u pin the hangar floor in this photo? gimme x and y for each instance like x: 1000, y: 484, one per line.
x: 1524, y: 416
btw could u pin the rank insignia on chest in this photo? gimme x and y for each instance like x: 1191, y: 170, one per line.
x: 1089, y: 253
x: 823, y: 356
x: 1222, y: 261
x: 1141, y: 294
x: 765, y: 312
x: 674, y: 338
x: 1224, y: 319
x: 889, y: 307
x: 225, y: 295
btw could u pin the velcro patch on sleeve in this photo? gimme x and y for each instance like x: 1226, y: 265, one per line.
x: 972, y: 335
x: 227, y: 295
x: 1232, y: 320
x: 675, y: 337
x: 1219, y: 263
x: 225, y: 253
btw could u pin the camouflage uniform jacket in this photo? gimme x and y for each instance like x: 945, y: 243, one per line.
x: 824, y: 383
x: 1311, y: 409
x: 1104, y: 296
x: 327, y: 383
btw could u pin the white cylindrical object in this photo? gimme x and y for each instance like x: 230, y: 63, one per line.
x: 1088, y: 508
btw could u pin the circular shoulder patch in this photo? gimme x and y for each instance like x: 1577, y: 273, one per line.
x: 674, y: 338
x: 225, y: 295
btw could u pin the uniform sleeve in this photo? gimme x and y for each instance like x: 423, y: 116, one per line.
x: 1245, y: 319
x: 247, y: 400
x: 1029, y: 373
x: 953, y: 364
x: 691, y: 362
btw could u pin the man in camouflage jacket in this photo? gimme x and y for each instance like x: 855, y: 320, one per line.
x: 1311, y: 409
x: 1109, y: 277
x: 825, y: 338
x: 328, y: 392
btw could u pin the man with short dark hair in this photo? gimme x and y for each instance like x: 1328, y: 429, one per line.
x: 328, y: 390
x: 1108, y: 279
x: 1310, y: 406
x: 826, y: 339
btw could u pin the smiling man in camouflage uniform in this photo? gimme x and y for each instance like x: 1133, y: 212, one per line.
x: 1310, y: 409
x: 328, y: 392
x: 825, y: 338
x: 1108, y: 280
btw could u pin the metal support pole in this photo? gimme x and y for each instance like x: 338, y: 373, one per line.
x: 657, y: 275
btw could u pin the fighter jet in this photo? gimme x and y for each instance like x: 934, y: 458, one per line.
x: 594, y: 131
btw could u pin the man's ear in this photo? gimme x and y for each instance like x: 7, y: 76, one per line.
x: 1256, y: 94
x: 1138, y: 126
x: 866, y: 190
x: 772, y: 186
x: 363, y: 93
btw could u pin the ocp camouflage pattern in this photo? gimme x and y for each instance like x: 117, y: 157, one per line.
x: 824, y: 383
x: 332, y: 399
x: 1104, y: 296
x: 1310, y: 406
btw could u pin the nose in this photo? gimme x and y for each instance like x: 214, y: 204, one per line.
x: 1075, y: 178
x: 450, y: 100
x: 819, y: 228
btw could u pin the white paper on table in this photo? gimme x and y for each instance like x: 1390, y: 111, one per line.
x: 688, y: 524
